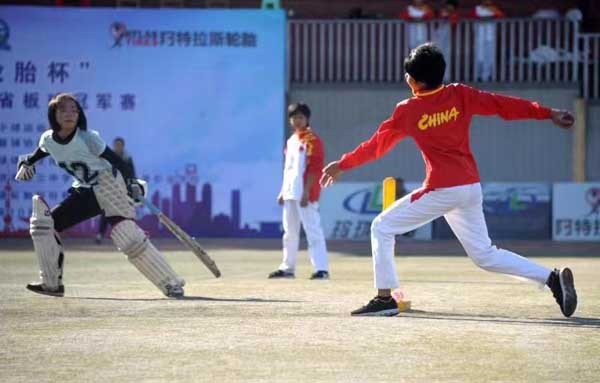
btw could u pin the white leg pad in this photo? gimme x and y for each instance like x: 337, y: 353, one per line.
x: 132, y: 241
x: 46, y: 243
x: 111, y: 194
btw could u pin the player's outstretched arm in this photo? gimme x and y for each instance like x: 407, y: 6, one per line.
x: 514, y: 108
x: 562, y: 118
x: 26, y: 165
x: 484, y: 103
x: 388, y: 134
x: 331, y: 173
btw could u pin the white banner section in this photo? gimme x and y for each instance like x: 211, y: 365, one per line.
x: 576, y: 212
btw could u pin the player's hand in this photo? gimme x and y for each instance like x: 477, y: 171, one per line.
x: 304, y: 200
x: 562, y: 118
x: 135, y: 191
x: 331, y: 173
x: 25, y: 172
x: 280, y: 200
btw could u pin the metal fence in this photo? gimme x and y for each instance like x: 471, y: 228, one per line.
x: 590, y: 59
x: 521, y: 50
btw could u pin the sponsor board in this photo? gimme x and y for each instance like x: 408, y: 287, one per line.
x: 347, y: 210
x: 576, y: 212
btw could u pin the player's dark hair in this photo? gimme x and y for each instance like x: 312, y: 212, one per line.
x: 299, y: 108
x: 426, y: 64
x: 53, y: 105
x: 119, y: 139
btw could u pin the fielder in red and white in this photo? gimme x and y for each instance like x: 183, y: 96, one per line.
x: 438, y: 118
x: 299, y: 196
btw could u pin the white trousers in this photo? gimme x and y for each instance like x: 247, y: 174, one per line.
x: 462, y: 208
x: 293, y: 216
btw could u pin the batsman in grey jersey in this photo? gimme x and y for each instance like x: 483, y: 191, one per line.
x: 98, y: 187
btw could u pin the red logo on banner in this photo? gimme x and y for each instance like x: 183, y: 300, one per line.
x: 592, y: 196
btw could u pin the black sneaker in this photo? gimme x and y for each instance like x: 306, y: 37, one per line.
x: 41, y: 288
x: 562, y: 284
x: 281, y: 274
x: 321, y: 274
x: 378, y: 307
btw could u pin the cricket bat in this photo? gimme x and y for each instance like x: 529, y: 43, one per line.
x: 184, y: 238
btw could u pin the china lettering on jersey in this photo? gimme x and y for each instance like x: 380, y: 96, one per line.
x: 439, y: 118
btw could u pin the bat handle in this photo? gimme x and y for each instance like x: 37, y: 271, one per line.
x: 153, y: 209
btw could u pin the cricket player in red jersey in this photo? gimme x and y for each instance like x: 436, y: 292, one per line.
x: 438, y: 119
x: 299, y: 196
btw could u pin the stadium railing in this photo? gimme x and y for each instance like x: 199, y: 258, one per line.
x: 590, y: 57
x: 541, y: 51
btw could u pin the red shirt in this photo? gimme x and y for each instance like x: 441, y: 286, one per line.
x: 439, y: 123
x: 315, y: 159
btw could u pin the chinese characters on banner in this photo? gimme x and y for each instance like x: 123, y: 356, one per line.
x: 167, y: 82
x: 576, y: 212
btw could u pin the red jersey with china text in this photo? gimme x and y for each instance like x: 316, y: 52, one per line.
x: 439, y: 123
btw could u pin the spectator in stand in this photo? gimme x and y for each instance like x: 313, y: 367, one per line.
x: 443, y: 34
x: 485, y: 39
x: 417, y: 13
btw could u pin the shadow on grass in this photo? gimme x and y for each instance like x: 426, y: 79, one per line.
x: 456, y: 282
x: 257, y: 300
x: 187, y: 298
x: 559, y: 322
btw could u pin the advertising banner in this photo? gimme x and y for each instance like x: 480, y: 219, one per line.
x: 197, y: 95
x: 512, y: 211
x: 576, y: 212
x: 348, y: 208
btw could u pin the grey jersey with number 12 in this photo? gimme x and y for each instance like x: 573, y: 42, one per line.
x: 80, y: 157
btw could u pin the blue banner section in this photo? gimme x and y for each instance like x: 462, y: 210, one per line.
x: 198, y: 96
x: 512, y: 211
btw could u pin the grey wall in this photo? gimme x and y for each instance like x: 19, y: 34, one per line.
x: 593, y: 143
x: 345, y: 115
